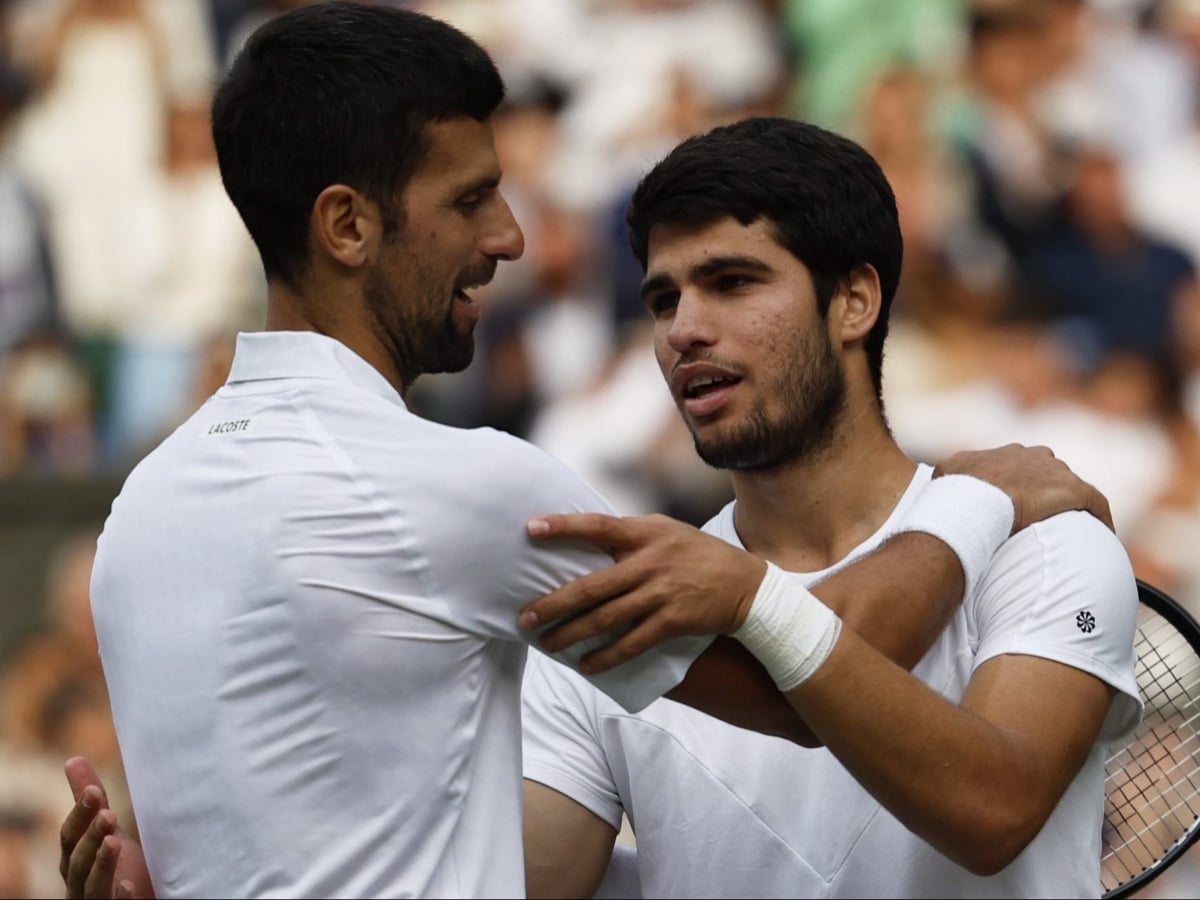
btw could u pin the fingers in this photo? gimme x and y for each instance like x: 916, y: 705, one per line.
x: 609, y: 532
x: 89, y: 802
x: 85, y: 856
x: 99, y: 882
x: 576, y: 599
x: 1097, y: 505
x: 80, y: 774
x: 647, y: 633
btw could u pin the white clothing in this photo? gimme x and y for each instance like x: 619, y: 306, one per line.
x: 723, y: 812
x: 306, y: 601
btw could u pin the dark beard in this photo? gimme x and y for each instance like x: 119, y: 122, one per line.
x: 813, y: 399
x: 416, y: 347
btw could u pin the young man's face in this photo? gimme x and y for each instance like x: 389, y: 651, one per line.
x: 741, y: 344
x: 455, y: 227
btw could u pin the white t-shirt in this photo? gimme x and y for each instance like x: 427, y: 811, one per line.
x: 723, y: 812
x: 306, y: 600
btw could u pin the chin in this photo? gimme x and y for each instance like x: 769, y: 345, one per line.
x: 458, y: 357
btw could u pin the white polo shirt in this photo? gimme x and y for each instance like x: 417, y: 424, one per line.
x: 306, y: 602
x: 720, y: 811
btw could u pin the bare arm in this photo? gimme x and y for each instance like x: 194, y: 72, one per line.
x: 900, y: 598
x: 567, y: 847
x: 976, y: 780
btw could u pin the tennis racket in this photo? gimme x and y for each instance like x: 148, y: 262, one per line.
x: 1152, y: 783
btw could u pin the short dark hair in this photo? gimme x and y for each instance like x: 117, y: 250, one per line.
x: 338, y: 93
x: 825, y: 197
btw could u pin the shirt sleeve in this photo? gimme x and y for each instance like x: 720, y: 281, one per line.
x: 561, y: 742
x: 485, y: 562
x: 1064, y: 590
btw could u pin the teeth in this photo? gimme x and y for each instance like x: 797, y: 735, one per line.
x: 696, y: 384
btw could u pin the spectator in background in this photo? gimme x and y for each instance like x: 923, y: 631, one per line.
x: 92, y: 143
x: 26, y: 290
x: 47, y: 411
x: 205, y: 280
x: 1109, y: 285
x: 53, y: 700
x: 1163, y: 184
x: 58, y: 673
x: 840, y: 48
x: 1011, y: 156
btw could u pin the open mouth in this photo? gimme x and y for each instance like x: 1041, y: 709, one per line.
x: 462, y: 297
x: 704, y: 385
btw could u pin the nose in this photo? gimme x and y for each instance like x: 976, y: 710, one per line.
x: 690, y: 326
x: 504, y: 239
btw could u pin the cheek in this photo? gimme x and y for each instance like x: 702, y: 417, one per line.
x: 663, y: 353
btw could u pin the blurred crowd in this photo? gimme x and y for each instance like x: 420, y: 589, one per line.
x: 1045, y: 155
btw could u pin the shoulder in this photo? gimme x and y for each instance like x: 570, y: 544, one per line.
x: 465, y: 474
x: 504, y: 471
x: 1072, y: 545
x: 1064, y: 590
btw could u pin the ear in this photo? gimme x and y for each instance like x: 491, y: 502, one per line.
x: 346, y: 225
x: 857, y: 303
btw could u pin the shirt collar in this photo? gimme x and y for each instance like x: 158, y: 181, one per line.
x: 269, y: 355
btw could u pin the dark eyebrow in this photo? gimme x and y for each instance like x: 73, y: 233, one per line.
x: 706, y: 269
x: 486, y: 183
x: 655, y: 283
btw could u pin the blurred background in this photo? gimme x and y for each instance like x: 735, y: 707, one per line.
x: 1046, y: 159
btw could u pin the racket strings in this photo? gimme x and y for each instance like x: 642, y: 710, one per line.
x: 1153, y: 783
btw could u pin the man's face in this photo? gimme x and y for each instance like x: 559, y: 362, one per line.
x: 455, y: 227
x: 739, y: 340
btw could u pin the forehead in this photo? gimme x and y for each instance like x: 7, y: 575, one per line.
x: 675, y: 248
x: 461, y: 151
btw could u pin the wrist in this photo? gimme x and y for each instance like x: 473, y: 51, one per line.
x: 788, y: 629
x: 971, y: 516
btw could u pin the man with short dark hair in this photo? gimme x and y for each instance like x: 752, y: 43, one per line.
x: 772, y: 251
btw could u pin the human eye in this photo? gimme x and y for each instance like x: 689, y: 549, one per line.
x: 476, y: 197
x: 471, y: 201
x: 660, y: 303
x: 727, y: 282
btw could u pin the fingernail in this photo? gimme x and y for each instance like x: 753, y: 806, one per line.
x: 528, y: 620
x: 88, y: 800
x: 538, y: 526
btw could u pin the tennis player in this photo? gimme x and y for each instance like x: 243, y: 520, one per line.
x: 307, y: 598
x: 772, y: 251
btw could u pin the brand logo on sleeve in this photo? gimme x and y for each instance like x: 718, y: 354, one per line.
x: 1086, y: 622
x: 229, y: 427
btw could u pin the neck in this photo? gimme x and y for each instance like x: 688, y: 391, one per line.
x: 325, y: 312
x: 810, y: 514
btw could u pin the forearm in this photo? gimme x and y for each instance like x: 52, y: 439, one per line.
x: 975, y: 791
x: 901, y: 597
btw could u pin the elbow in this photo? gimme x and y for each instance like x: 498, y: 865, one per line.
x: 996, y: 840
x: 988, y: 862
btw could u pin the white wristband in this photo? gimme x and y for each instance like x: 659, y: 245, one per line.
x: 790, y: 631
x: 971, y: 516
